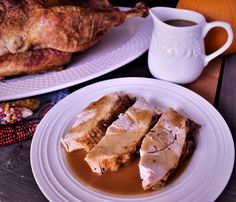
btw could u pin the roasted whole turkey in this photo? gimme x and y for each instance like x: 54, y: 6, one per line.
x: 41, y: 35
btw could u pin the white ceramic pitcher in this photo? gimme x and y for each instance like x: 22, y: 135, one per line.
x: 177, y: 54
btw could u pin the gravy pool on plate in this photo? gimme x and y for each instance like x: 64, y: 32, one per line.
x: 126, y: 181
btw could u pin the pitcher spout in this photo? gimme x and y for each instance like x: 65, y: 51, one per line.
x: 152, y: 12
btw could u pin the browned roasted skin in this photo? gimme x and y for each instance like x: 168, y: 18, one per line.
x: 32, y: 62
x: 14, y: 17
x: 69, y: 28
x: 29, y: 25
x: 95, y: 4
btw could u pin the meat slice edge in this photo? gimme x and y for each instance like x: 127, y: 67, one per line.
x: 92, y: 122
x: 122, y: 138
x: 164, y: 147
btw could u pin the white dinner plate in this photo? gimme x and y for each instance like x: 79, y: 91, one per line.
x: 119, y: 46
x: 204, y: 178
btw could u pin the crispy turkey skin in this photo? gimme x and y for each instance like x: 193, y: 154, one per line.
x: 30, y: 25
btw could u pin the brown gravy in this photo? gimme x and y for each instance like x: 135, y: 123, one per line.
x: 180, y: 23
x: 126, y: 181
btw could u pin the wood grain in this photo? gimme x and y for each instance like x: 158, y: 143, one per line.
x: 206, y: 84
x: 16, y: 178
x: 17, y: 183
x: 227, y: 108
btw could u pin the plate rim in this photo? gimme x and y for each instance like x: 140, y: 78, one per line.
x: 145, y: 43
x: 135, y: 79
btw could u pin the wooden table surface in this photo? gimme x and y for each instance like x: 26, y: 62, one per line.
x: 16, y: 180
x: 217, y: 84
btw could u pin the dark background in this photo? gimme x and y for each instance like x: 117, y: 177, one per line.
x: 17, y: 183
x: 150, y: 3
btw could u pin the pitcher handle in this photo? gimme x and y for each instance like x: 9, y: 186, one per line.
x: 229, y: 31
